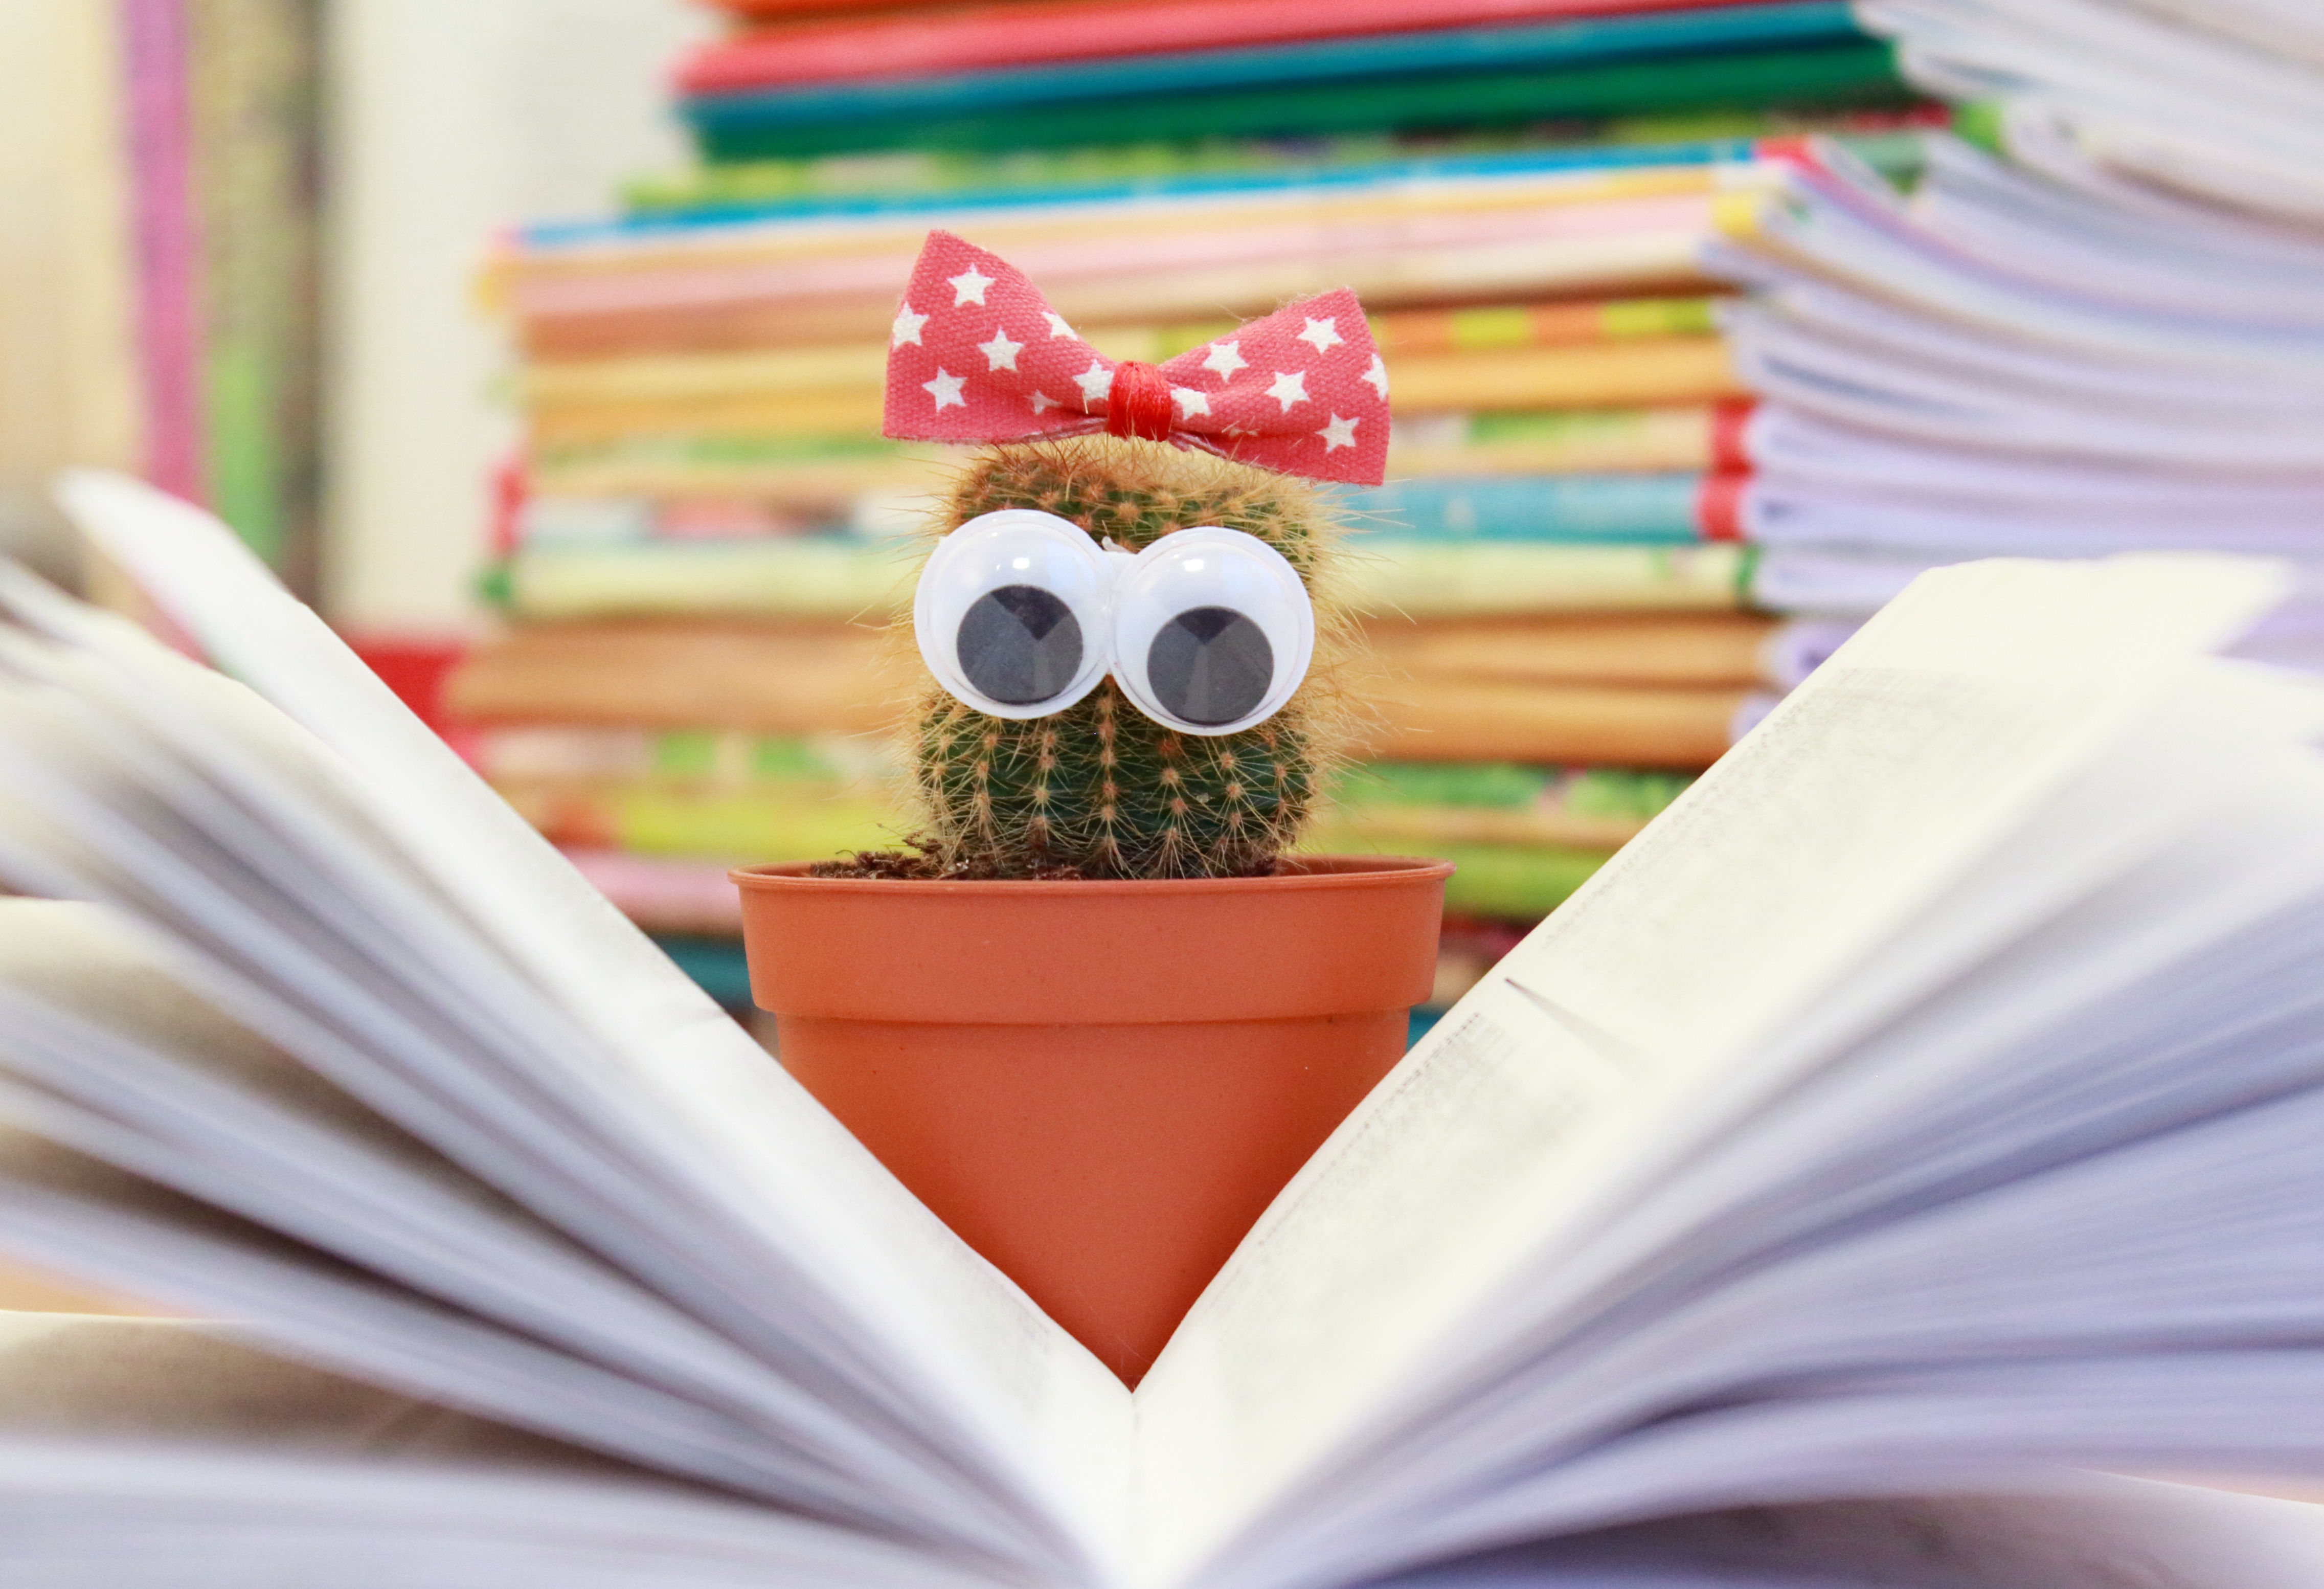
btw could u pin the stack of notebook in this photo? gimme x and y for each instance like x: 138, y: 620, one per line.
x: 2094, y: 323
x: 709, y: 531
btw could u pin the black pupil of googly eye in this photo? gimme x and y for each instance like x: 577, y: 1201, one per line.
x: 1019, y: 644
x: 1210, y: 665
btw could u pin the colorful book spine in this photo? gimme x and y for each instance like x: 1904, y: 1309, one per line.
x: 630, y: 267
x: 1736, y: 650
x: 761, y: 10
x: 1416, y: 333
x: 1640, y: 245
x: 222, y: 139
x: 1498, y: 720
x: 1711, y: 439
x: 1594, y: 374
x: 755, y: 677
x: 965, y: 180
x: 1520, y: 882
x: 1663, y: 370
x: 158, y: 57
x: 813, y: 474
x: 665, y: 895
x: 1499, y: 803
x: 1851, y: 69
x: 847, y: 579
x: 1542, y: 324
x: 257, y: 142
x: 829, y: 475
x: 1634, y: 510
x: 734, y: 826
x: 909, y: 181
x: 1490, y: 578
x: 835, y: 49
x: 1450, y: 56
x: 797, y: 577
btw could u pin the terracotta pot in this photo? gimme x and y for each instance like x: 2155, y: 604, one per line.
x: 1099, y: 1085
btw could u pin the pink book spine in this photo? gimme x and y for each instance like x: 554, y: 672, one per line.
x: 168, y: 241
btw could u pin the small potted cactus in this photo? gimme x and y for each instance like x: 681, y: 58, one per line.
x: 1094, y: 1013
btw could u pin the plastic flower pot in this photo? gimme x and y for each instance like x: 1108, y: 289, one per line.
x: 1099, y: 1085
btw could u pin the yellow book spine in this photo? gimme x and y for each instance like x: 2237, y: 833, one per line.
x: 1665, y: 370
x: 1424, y: 581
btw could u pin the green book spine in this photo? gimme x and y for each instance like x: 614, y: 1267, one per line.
x: 801, y: 578
x: 254, y: 69
x: 1847, y: 73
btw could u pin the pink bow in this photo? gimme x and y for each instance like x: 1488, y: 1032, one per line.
x: 978, y: 355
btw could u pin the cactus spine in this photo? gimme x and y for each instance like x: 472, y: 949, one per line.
x: 1100, y: 790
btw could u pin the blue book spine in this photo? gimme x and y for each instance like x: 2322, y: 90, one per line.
x: 1513, y: 165
x: 1624, y: 510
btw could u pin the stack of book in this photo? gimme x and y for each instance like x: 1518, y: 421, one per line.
x: 707, y: 532
x: 2094, y: 323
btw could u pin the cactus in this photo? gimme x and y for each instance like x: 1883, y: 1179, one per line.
x: 1100, y: 790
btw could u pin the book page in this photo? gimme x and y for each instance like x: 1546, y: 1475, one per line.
x: 943, y: 1340
x: 170, y: 1381
x: 145, y: 1452
x: 1943, y: 726
x: 2081, y: 1532
x: 105, y: 1055
x: 2091, y: 1144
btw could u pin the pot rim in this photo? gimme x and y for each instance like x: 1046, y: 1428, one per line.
x: 1314, y: 871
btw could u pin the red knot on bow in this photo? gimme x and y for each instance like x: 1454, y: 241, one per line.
x: 978, y: 355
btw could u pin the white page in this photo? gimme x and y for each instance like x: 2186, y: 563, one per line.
x: 1909, y: 391
x: 1788, y: 445
x: 2125, y: 377
x: 951, y: 1327
x: 2182, y: 107
x: 1944, y: 725
x: 2053, y: 139
x: 2288, y: 27
x: 66, y: 1212
x: 151, y: 1453
x: 123, y: 1064
x: 1903, y: 1432
x: 142, y: 831
x: 2009, y: 216
x: 1816, y: 222
x: 1778, y: 513
x: 1979, y: 1183
x: 2083, y: 1531
x: 296, y: 976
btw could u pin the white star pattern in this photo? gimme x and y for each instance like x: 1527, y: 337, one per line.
x: 945, y: 390
x: 1000, y: 354
x: 1378, y: 376
x: 906, y: 328
x: 1190, y: 401
x: 1094, y: 381
x: 1338, y: 434
x: 1043, y: 402
x: 1224, y: 359
x: 1290, y: 387
x: 1323, y: 334
x: 1057, y: 326
x: 968, y: 287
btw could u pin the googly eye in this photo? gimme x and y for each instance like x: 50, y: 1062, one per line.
x: 1212, y: 631
x: 1011, y: 614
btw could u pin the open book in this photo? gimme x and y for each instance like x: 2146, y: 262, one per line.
x: 1925, y: 1107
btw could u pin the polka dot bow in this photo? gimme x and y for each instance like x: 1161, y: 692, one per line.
x: 978, y: 355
